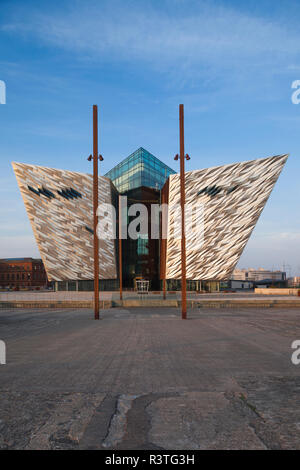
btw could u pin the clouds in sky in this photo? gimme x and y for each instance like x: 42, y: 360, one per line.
x: 183, y: 36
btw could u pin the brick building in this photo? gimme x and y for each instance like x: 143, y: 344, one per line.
x: 17, y: 273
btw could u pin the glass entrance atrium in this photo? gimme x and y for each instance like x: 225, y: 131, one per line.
x: 140, y: 177
x: 141, y: 168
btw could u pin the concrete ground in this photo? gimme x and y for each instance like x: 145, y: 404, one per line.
x: 145, y: 379
x: 109, y: 295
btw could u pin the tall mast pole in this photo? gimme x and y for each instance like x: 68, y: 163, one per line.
x: 182, y: 202
x: 120, y: 248
x: 163, y: 247
x: 95, y: 207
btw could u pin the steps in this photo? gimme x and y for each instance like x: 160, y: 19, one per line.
x: 289, y: 302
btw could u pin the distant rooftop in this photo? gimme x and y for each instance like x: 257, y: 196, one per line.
x: 9, y: 260
x: 258, y: 270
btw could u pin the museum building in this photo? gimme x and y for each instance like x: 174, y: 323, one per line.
x: 60, y: 207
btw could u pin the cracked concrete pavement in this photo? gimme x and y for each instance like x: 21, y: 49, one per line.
x: 145, y: 379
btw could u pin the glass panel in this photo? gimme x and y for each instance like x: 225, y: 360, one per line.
x: 140, y: 168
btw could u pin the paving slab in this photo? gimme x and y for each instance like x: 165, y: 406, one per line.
x: 142, y: 378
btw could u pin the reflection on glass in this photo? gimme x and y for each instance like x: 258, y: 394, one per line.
x: 141, y: 168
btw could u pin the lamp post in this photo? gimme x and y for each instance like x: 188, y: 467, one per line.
x: 95, y: 157
x: 120, y: 248
x: 182, y: 203
x: 163, y: 242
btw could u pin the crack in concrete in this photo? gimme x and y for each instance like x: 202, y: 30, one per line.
x: 117, y: 424
x: 97, y: 429
x: 257, y: 423
x: 138, y: 423
x: 251, y: 407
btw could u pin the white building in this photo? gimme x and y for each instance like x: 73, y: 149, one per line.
x: 236, y: 284
x: 294, y: 281
x: 257, y: 275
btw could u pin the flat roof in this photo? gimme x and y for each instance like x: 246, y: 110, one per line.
x: 3, y: 260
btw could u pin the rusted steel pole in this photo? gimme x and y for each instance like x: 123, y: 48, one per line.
x: 163, y: 261
x: 164, y: 288
x: 182, y: 202
x: 95, y: 207
x: 120, y: 248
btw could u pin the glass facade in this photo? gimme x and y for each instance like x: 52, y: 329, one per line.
x: 141, y: 168
x: 140, y: 257
x: 140, y: 177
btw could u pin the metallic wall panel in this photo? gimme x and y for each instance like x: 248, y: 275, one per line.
x: 229, y: 216
x: 65, y: 245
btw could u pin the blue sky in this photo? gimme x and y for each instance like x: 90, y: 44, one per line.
x: 230, y: 62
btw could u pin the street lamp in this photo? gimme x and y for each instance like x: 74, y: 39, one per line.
x: 182, y: 157
x: 120, y: 248
x: 95, y: 157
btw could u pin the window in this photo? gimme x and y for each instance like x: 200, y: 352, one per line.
x: 140, y: 168
x: 142, y: 246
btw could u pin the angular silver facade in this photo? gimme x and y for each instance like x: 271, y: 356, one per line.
x: 59, y: 207
x: 232, y: 197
